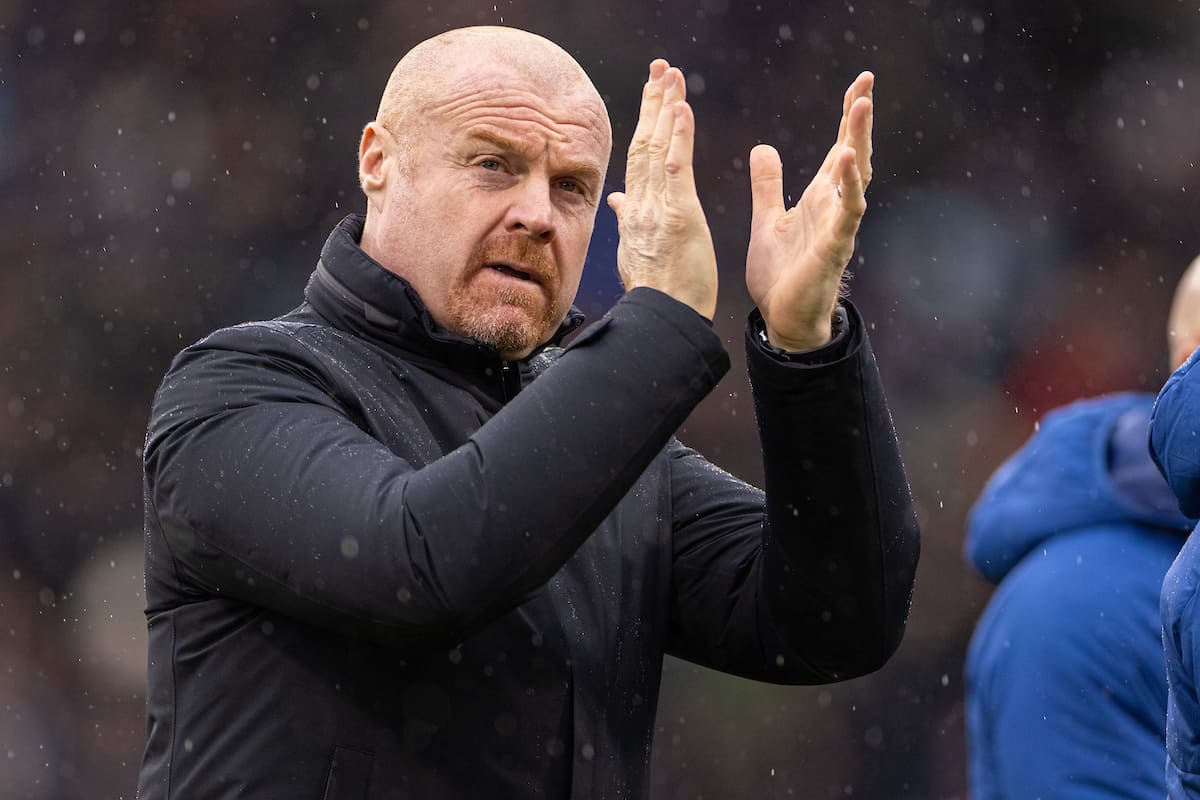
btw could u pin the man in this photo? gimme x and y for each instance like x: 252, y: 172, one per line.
x: 1066, y: 692
x: 400, y: 544
x: 1173, y: 429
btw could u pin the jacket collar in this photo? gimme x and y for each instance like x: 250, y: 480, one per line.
x: 357, y: 294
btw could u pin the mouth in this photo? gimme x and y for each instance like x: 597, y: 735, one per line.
x: 511, y: 271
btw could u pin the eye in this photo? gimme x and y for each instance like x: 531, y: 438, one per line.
x: 569, y: 185
x: 490, y: 164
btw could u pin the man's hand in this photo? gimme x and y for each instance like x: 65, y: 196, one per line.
x: 797, y: 256
x: 665, y: 242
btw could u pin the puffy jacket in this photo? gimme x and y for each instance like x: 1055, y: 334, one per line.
x: 1173, y: 436
x: 1066, y: 692
x: 383, y: 563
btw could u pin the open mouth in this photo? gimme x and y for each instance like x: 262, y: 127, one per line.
x: 511, y: 271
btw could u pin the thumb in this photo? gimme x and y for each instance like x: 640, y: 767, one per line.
x: 766, y: 186
x: 616, y: 201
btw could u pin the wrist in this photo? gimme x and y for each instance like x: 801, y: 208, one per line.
x: 702, y: 302
x: 817, y: 336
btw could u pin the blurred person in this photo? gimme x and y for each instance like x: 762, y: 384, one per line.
x: 1173, y: 436
x: 1066, y: 691
x: 400, y: 543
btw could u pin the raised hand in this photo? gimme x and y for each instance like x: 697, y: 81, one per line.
x: 797, y: 256
x: 665, y: 242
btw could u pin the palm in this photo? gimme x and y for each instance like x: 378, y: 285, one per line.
x: 797, y: 256
x: 792, y: 254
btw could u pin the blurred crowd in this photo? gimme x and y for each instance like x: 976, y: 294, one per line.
x: 170, y: 167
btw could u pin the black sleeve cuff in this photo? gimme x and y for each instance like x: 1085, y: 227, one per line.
x: 837, y: 348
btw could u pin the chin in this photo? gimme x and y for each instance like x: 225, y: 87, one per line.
x: 512, y: 335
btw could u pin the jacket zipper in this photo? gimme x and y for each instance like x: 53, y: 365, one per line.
x: 507, y: 373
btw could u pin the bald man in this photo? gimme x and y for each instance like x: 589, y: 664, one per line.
x: 401, y: 543
x: 1066, y: 690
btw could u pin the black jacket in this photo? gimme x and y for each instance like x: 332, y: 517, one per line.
x: 381, y: 563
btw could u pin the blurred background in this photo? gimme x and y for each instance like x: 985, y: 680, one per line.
x: 167, y: 168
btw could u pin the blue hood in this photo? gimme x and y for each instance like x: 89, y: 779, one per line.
x: 1089, y: 464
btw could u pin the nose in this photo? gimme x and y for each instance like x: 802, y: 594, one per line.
x: 532, y: 211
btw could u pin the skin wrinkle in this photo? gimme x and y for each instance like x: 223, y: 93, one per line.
x: 585, y: 175
x: 495, y: 98
x: 519, y: 111
x: 488, y: 129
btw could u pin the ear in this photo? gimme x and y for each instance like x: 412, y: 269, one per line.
x: 1182, y: 349
x: 372, y: 163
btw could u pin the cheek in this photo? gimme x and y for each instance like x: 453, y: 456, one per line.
x: 439, y: 234
x: 574, y: 252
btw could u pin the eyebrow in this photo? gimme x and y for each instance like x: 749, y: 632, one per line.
x: 580, y: 169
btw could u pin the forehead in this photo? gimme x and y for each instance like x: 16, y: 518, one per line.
x: 534, y: 113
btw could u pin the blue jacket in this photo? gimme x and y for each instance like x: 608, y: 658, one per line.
x: 1066, y: 696
x: 1173, y: 431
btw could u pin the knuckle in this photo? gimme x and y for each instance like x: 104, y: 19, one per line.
x: 657, y: 147
x: 676, y: 220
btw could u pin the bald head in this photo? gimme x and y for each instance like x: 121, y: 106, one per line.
x: 434, y: 69
x: 1183, y: 325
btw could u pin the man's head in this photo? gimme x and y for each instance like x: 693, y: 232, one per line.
x: 1183, y: 325
x: 483, y: 172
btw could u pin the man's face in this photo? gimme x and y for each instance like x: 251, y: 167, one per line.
x: 490, y: 206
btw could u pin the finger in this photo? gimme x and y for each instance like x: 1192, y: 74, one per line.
x: 766, y: 186
x: 853, y: 203
x: 861, y: 122
x: 680, y: 177
x: 847, y: 101
x: 660, y: 140
x: 651, y: 100
x: 652, y: 91
x: 862, y: 86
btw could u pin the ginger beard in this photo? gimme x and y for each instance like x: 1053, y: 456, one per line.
x: 499, y: 308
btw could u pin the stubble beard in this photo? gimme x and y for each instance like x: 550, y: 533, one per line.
x: 510, y: 319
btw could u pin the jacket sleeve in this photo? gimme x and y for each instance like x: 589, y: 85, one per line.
x: 812, y: 581
x: 266, y: 490
x: 1175, y: 435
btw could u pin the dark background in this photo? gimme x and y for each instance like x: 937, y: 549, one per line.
x: 167, y: 168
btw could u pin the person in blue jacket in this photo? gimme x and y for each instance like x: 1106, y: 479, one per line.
x: 1173, y: 435
x: 1066, y: 689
